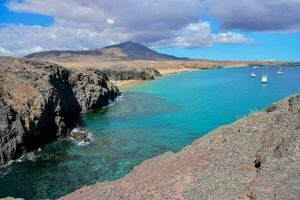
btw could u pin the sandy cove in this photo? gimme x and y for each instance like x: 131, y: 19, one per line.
x: 122, y: 84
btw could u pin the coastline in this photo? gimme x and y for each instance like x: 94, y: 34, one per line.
x: 123, y: 84
x: 127, y: 83
x: 256, y: 157
x: 184, y: 74
x: 168, y: 72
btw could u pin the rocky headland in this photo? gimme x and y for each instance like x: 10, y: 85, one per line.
x: 92, y: 88
x: 41, y: 101
x: 122, y: 73
x: 256, y: 157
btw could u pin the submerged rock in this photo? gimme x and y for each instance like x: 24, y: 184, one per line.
x: 41, y: 101
x: 81, y: 136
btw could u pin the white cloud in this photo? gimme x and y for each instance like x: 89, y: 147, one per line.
x: 3, y: 51
x: 197, y: 35
x: 36, y: 48
x: 110, y: 21
x: 232, y: 38
x: 86, y: 24
x: 128, y: 15
x: 20, y: 40
x: 256, y: 15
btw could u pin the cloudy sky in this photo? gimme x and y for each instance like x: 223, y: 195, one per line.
x: 212, y: 29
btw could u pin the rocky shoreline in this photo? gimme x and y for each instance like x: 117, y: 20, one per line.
x: 256, y: 157
x: 41, y: 101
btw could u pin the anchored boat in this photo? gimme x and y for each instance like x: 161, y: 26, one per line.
x: 264, y: 79
x: 280, y: 70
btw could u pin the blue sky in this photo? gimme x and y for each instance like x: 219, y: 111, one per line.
x: 270, y: 46
x: 10, y: 17
x: 198, y: 29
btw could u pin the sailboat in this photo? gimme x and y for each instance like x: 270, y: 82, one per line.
x: 264, y: 79
x: 253, y: 75
x: 280, y: 70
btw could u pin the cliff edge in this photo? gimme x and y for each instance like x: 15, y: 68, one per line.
x: 257, y: 157
x: 41, y: 101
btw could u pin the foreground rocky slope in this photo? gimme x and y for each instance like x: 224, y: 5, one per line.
x: 257, y: 157
x: 41, y: 101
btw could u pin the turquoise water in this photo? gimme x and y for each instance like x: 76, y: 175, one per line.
x: 158, y: 116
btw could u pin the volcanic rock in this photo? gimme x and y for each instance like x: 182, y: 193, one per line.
x: 41, y: 101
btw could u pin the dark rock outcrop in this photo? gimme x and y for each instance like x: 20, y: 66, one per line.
x: 125, y: 73
x: 92, y: 88
x: 80, y: 136
x: 41, y: 101
x: 12, y: 131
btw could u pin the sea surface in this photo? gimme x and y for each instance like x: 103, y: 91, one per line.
x: 149, y: 119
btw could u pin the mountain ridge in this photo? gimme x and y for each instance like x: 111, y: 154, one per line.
x: 123, y: 51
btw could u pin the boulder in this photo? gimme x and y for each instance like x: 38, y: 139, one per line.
x: 80, y: 136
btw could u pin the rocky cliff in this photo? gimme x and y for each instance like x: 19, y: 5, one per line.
x: 257, y: 157
x: 41, y: 101
x: 92, y: 89
x: 126, y: 73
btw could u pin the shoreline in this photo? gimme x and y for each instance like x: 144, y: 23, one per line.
x: 168, y: 72
x: 255, y: 156
x: 125, y: 84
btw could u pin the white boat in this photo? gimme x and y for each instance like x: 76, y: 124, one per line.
x: 253, y: 75
x: 264, y: 79
x: 280, y: 71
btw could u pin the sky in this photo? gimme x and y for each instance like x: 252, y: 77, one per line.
x: 205, y: 29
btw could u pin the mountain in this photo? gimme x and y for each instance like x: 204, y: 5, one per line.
x: 123, y: 51
x: 136, y: 51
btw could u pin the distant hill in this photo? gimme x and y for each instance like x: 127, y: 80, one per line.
x: 136, y: 51
x: 123, y: 51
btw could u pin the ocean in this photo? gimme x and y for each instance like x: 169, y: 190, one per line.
x: 149, y: 119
